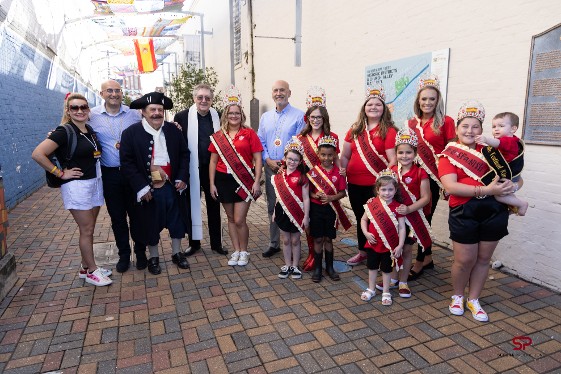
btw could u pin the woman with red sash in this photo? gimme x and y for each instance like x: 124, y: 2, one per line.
x: 368, y: 149
x: 316, y: 126
x: 476, y: 220
x: 434, y: 130
x: 235, y: 172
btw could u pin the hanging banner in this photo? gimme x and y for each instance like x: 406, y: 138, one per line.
x: 144, y: 48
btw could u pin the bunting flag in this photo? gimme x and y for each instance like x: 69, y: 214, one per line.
x: 144, y: 48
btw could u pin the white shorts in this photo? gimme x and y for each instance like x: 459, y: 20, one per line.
x: 82, y: 194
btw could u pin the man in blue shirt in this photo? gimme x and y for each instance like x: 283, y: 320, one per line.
x: 109, y: 120
x: 276, y: 128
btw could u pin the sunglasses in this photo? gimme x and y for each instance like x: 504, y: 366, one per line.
x: 75, y: 108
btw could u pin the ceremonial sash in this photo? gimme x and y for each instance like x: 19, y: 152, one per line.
x: 425, y: 152
x: 240, y: 170
x: 386, y: 226
x: 496, y: 160
x: 517, y: 164
x: 371, y: 159
x: 311, y: 157
x: 470, y: 161
x: 323, y: 184
x: 291, y: 204
x: 416, y: 220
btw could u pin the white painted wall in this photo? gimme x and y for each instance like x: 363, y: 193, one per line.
x: 490, y: 45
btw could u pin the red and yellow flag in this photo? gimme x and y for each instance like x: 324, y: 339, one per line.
x: 144, y: 48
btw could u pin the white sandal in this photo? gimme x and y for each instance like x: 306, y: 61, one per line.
x: 387, y: 299
x: 367, y: 295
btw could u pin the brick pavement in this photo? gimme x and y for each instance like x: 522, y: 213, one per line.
x: 215, y: 318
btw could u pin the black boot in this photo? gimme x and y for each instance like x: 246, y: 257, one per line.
x: 329, y: 266
x: 318, y: 270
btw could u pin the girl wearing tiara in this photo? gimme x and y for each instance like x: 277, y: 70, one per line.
x: 384, y: 229
x: 292, y: 210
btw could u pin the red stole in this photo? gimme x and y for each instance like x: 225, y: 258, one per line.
x: 416, y: 220
x: 323, y: 184
x: 386, y: 226
x: 373, y: 161
x: 470, y: 161
x: 240, y: 170
x: 291, y: 204
x: 427, y: 157
x: 311, y: 157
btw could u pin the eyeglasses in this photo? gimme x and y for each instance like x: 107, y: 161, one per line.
x: 292, y: 159
x: 234, y: 114
x: 76, y: 108
x: 316, y: 118
x: 202, y: 98
x: 113, y: 90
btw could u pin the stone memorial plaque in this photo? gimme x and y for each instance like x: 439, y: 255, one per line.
x: 542, y: 115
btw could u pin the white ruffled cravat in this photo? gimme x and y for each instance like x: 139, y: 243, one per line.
x: 161, y: 156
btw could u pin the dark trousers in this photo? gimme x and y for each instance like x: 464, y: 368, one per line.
x: 435, y: 196
x: 358, y: 196
x: 212, y: 212
x: 119, y: 199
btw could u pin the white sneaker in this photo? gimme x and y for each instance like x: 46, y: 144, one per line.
x: 243, y: 260
x: 97, y: 278
x: 234, y: 259
x: 83, y: 272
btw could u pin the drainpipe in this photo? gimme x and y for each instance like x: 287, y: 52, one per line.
x: 298, y: 35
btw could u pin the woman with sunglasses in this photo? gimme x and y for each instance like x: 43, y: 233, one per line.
x: 82, y: 189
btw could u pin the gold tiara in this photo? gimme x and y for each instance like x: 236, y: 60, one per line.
x: 232, y: 97
x: 316, y: 97
x: 376, y: 91
x: 472, y: 108
x: 294, y: 145
x: 327, y: 140
x: 430, y: 80
x: 405, y: 136
x: 387, y: 173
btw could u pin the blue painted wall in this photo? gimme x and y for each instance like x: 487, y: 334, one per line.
x: 32, y: 90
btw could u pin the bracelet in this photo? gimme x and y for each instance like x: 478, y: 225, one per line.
x: 60, y: 174
x: 53, y: 169
x: 515, y: 187
x: 480, y: 193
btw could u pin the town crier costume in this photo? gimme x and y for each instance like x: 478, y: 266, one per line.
x: 155, y: 161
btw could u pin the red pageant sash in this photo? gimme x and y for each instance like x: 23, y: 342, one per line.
x: 310, y: 151
x: 371, y: 159
x: 323, y: 184
x: 240, y: 170
x: 420, y: 228
x: 386, y: 226
x: 470, y: 161
x: 291, y: 204
x: 425, y: 152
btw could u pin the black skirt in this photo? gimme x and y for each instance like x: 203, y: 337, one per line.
x: 227, y: 187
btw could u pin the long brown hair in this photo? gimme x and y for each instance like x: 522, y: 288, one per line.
x: 438, y: 116
x: 326, y: 125
x: 386, y: 121
x: 72, y: 96
x: 225, y: 125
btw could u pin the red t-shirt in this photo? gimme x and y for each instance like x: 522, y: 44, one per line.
x: 292, y: 181
x: 379, y: 246
x: 508, y: 146
x: 357, y: 173
x: 412, y: 180
x: 446, y: 167
x: 246, y: 142
x: 438, y: 142
x: 335, y: 177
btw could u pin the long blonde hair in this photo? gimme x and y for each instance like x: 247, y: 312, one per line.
x: 72, y: 96
x: 438, y: 117
x: 225, y: 125
x: 386, y: 121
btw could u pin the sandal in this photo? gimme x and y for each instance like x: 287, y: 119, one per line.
x: 367, y: 295
x: 387, y: 299
x: 413, y: 275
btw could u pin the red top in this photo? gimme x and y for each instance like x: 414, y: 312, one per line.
x: 379, y: 246
x: 335, y: 177
x: 446, y: 167
x: 357, y: 173
x: 438, y: 142
x: 246, y: 142
x: 412, y: 180
x: 508, y: 147
x: 292, y: 181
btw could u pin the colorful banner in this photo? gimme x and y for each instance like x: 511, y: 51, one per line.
x: 144, y: 48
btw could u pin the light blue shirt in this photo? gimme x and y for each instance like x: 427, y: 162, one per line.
x: 281, y: 125
x: 109, y: 127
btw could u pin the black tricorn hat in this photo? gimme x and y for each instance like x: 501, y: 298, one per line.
x: 152, y: 98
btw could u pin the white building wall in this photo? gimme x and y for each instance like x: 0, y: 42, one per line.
x: 489, y: 45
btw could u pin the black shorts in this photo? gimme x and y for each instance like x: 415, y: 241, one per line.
x: 478, y: 220
x: 227, y: 187
x: 375, y: 260
x: 322, y: 221
x: 283, y: 221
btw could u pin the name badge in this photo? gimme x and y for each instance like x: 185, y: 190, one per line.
x: 97, y: 154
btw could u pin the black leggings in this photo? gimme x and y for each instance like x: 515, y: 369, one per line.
x: 358, y: 196
x: 435, y: 196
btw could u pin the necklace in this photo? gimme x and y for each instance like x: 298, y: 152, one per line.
x: 116, y: 133
x: 278, y: 127
x: 96, y: 153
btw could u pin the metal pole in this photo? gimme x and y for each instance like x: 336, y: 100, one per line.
x: 298, y: 36
x: 202, y: 43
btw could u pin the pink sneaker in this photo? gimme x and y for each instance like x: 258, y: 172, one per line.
x: 84, y: 272
x: 356, y: 259
x: 97, y: 278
